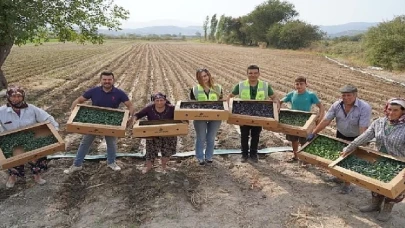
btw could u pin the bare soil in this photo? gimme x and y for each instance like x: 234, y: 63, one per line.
x: 271, y: 193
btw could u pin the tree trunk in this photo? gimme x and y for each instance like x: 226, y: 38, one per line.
x: 4, y: 52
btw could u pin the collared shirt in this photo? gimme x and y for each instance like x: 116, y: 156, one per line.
x: 349, y: 123
x: 10, y: 120
x: 392, y: 142
x: 111, y: 99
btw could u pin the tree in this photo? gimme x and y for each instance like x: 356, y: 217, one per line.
x: 205, y: 27
x: 220, y: 29
x: 74, y: 20
x: 267, y: 14
x: 293, y: 34
x: 385, y: 44
x: 213, y: 27
x: 198, y: 34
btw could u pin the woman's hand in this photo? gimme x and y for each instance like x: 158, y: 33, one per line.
x: 344, y: 154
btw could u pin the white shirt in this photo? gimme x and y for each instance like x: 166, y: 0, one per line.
x: 9, y: 120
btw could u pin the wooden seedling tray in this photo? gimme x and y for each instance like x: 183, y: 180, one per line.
x: 154, y: 128
x: 40, y: 129
x: 391, y: 189
x: 201, y: 114
x: 301, y: 131
x: 313, y: 159
x: 97, y: 129
x: 247, y: 120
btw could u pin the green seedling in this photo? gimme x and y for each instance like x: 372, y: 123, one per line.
x: 99, y: 116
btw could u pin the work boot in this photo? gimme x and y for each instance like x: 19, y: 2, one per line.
x: 374, y: 206
x: 385, y: 213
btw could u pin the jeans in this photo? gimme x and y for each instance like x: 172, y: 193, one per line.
x: 85, y: 147
x: 254, y: 133
x: 205, y: 133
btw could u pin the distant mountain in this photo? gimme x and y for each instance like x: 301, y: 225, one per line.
x: 352, y: 28
x: 157, y: 30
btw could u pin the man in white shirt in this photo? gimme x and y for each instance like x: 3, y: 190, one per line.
x: 18, y: 114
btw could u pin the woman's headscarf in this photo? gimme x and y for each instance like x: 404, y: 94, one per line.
x: 396, y: 101
x: 13, y: 91
x: 159, y: 95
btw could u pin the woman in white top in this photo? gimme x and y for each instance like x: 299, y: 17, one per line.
x: 18, y: 114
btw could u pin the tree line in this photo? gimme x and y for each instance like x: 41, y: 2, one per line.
x: 272, y: 22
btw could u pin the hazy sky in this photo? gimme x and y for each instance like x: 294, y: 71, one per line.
x: 319, y: 12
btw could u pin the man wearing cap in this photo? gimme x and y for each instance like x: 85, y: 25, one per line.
x: 352, y: 116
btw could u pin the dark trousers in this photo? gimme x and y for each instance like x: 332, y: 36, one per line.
x: 341, y: 136
x: 254, y: 133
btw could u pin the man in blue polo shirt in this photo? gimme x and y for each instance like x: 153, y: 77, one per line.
x: 106, y: 96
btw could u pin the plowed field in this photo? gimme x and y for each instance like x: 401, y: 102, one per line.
x: 271, y: 193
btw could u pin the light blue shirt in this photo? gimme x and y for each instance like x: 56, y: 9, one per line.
x: 302, y: 102
x: 9, y: 120
x: 349, y: 123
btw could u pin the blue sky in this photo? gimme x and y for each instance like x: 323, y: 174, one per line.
x: 319, y: 12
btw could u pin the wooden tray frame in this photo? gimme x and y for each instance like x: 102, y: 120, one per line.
x: 97, y: 129
x: 391, y: 189
x: 41, y: 129
x: 316, y: 160
x: 201, y: 114
x: 160, y: 130
x: 237, y: 119
x: 303, y: 131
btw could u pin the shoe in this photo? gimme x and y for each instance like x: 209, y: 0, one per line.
x: 114, y: 166
x: 40, y: 181
x: 345, y: 189
x: 254, y: 159
x: 292, y: 160
x: 202, y: 162
x: 375, y: 205
x: 11, y: 181
x: 209, y: 162
x: 385, y: 213
x: 244, y: 159
x: 72, y: 169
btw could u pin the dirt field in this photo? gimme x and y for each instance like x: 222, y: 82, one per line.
x: 272, y: 193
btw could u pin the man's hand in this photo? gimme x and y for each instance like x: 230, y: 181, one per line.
x: 310, y: 137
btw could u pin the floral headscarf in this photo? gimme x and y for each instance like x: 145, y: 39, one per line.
x: 13, y: 91
x: 397, y: 101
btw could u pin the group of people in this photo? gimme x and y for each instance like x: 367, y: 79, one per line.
x: 352, y: 116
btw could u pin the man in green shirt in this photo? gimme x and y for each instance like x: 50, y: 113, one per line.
x: 252, y: 89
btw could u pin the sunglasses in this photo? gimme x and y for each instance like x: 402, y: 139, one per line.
x: 202, y: 70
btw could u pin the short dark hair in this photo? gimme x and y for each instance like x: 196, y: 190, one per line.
x: 253, y: 67
x: 300, y: 79
x: 106, y: 73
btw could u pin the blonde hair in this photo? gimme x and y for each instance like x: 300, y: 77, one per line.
x: 199, y: 78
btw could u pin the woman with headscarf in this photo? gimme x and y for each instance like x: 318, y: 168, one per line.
x: 205, y: 130
x: 389, y: 132
x: 18, y: 114
x: 160, y: 109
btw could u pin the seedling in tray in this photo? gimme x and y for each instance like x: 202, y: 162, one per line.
x: 260, y: 109
x: 294, y: 118
x: 384, y: 169
x: 325, y: 147
x: 25, y: 140
x: 201, y: 110
x: 99, y: 116
x: 93, y: 120
x: 212, y: 105
x: 373, y: 170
